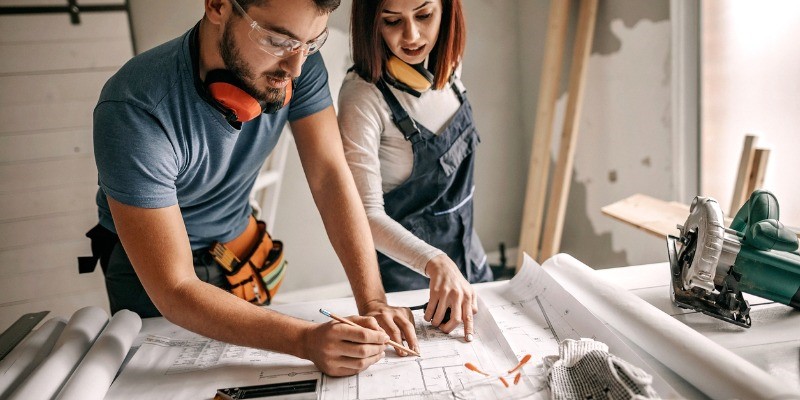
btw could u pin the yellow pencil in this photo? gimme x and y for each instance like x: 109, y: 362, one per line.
x: 394, y: 344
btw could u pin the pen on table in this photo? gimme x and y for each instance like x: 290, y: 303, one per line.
x: 394, y: 344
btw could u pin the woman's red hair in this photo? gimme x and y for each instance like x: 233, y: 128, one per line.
x: 370, y: 53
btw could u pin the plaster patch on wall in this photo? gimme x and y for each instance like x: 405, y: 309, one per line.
x: 580, y: 233
x: 612, y: 176
x: 622, y: 121
x: 630, y: 13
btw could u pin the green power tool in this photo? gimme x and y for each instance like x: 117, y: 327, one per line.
x: 712, y: 265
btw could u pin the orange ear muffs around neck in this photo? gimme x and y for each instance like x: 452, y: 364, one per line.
x: 415, y: 77
x: 288, y: 97
x: 225, y: 89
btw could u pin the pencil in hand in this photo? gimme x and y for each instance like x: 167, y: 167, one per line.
x: 394, y: 344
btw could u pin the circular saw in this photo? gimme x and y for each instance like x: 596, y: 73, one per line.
x: 711, y: 265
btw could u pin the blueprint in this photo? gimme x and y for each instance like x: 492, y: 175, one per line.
x: 193, y: 367
x: 528, y: 315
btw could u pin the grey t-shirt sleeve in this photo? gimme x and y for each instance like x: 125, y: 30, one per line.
x: 311, y: 93
x: 136, y: 162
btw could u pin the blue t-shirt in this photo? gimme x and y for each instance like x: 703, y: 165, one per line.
x: 157, y: 143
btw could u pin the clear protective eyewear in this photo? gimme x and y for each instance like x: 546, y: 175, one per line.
x: 279, y: 45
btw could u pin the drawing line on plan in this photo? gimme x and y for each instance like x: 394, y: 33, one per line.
x: 547, y: 319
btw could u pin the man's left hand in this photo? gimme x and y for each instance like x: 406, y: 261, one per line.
x: 397, y: 322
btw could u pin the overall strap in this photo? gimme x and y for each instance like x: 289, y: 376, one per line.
x: 400, y: 117
x: 459, y: 88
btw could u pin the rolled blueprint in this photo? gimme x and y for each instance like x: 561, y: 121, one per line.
x: 94, y: 375
x: 46, y: 380
x: 713, y: 369
x: 16, y: 366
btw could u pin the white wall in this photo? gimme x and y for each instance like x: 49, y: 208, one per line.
x: 751, y: 85
x: 157, y: 21
x: 51, y: 73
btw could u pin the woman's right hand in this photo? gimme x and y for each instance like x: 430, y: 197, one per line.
x: 339, y: 349
x: 450, y: 290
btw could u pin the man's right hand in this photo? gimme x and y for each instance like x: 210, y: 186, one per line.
x: 339, y: 349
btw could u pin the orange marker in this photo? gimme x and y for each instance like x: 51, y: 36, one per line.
x: 474, y: 368
x: 521, y: 363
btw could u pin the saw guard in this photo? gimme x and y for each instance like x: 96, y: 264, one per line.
x: 706, y: 222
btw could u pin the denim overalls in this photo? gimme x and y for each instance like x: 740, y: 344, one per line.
x: 435, y: 202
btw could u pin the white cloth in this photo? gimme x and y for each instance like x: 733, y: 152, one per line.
x: 585, y: 370
x: 381, y: 159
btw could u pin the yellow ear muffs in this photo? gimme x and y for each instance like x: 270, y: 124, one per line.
x: 415, y: 77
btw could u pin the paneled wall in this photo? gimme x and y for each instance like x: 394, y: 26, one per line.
x: 51, y: 73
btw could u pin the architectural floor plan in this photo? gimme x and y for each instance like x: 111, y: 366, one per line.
x: 528, y: 315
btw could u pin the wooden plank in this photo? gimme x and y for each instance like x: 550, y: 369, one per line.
x: 38, y: 28
x: 49, y: 201
x: 61, y: 254
x: 59, y: 306
x: 45, y: 230
x: 758, y: 171
x: 654, y: 216
x: 29, y: 285
x: 39, y: 146
x: 539, y: 165
x: 26, y: 58
x: 20, y: 177
x: 559, y: 193
x: 740, y: 192
x: 46, y: 89
x: 74, y: 114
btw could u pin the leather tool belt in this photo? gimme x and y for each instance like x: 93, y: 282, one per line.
x: 253, y: 263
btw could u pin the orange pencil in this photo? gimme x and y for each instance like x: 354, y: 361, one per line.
x: 351, y: 323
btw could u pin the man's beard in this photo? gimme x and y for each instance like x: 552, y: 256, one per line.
x: 271, y: 99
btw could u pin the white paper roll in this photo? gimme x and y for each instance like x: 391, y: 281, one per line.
x: 713, y: 369
x: 94, y: 375
x: 16, y: 366
x: 79, y: 333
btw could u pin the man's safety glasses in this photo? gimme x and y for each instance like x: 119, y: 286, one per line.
x: 279, y: 45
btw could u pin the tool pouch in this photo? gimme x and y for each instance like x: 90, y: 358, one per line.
x: 256, y: 274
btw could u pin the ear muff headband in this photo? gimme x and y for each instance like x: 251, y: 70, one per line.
x: 415, y: 77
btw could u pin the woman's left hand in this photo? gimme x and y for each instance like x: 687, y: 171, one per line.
x: 450, y: 290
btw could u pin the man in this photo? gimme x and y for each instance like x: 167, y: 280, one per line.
x: 176, y: 166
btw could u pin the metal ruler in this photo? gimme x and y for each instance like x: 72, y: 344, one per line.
x: 18, y: 330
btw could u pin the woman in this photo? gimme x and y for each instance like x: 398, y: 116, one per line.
x: 409, y: 139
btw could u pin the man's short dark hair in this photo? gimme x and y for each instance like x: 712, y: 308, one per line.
x: 324, y: 6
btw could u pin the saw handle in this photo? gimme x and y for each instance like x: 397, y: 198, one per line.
x: 758, y: 221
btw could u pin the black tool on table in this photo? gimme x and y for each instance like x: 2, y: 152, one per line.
x: 297, y: 390
x: 11, y: 337
x: 424, y: 306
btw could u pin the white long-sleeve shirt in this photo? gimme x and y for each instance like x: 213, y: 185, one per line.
x: 381, y: 159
